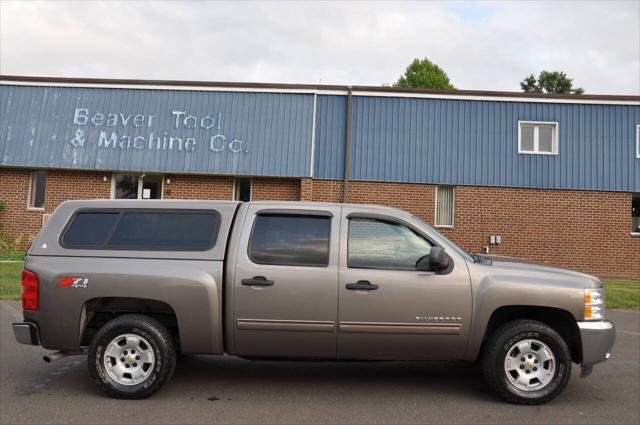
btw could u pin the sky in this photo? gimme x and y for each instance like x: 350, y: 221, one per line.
x: 481, y: 46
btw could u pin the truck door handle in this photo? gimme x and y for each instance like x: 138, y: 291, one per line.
x: 257, y: 281
x: 362, y: 285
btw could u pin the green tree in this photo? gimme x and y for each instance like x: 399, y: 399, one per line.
x: 550, y: 82
x: 424, y: 74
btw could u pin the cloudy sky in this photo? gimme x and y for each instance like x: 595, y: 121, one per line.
x: 483, y: 46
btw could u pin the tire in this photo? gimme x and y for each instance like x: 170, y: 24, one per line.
x: 113, y: 356
x: 536, y: 380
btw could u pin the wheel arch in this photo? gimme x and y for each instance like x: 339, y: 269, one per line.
x: 562, y: 321
x: 98, y: 311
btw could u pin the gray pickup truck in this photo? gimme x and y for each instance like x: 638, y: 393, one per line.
x: 134, y: 283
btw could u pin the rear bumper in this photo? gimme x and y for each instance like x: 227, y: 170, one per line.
x: 597, y: 342
x: 26, y: 333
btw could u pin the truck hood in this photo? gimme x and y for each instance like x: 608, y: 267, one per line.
x: 529, y: 266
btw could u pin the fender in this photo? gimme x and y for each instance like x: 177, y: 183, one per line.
x: 192, y: 289
x: 494, y: 290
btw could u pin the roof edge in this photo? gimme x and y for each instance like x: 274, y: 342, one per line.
x: 383, y: 90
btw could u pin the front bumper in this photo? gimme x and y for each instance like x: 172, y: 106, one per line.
x: 26, y: 333
x: 597, y: 341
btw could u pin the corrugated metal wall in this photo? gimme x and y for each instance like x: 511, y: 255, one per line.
x: 331, y: 130
x: 253, y: 133
x: 476, y: 143
x: 442, y: 141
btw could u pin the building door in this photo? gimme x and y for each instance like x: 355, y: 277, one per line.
x: 286, y: 283
x: 129, y: 186
x: 242, y: 189
x: 388, y: 310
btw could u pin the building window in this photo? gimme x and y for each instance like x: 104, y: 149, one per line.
x: 125, y: 186
x: 638, y: 141
x: 537, y: 137
x: 445, y: 205
x: 635, y: 213
x: 242, y: 191
x: 37, y: 189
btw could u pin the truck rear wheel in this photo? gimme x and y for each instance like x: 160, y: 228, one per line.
x: 132, y: 356
x: 526, y: 362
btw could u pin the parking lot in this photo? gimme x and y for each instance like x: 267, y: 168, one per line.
x: 228, y: 390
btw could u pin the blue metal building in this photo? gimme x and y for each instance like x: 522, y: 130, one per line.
x: 346, y: 134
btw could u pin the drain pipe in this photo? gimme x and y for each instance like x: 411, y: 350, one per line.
x: 347, y: 149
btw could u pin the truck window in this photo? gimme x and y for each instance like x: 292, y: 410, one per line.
x: 377, y: 244
x: 290, y: 240
x: 158, y: 230
x: 169, y: 231
x: 90, y: 229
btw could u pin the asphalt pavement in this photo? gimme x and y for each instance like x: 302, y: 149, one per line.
x: 209, y: 389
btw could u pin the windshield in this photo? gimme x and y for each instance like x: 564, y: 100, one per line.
x: 468, y: 256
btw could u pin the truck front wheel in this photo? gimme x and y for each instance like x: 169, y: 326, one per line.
x: 132, y: 356
x: 526, y: 362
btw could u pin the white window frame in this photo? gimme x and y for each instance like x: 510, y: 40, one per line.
x: 140, y: 184
x: 235, y: 182
x: 30, y: 193
x: 638, y: 141
x: 633, y: 195
x: 453, y: 209
x: 555, y: 143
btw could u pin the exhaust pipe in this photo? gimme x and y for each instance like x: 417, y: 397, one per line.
x: 61, y: 354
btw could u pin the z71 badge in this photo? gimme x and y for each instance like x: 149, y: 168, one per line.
x: 74, y: 282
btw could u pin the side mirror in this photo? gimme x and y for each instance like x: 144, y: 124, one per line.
x: 437, y: 260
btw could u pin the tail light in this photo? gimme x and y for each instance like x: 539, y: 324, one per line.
x: 30, y: 290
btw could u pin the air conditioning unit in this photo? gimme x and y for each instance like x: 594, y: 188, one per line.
x: 45, y: 217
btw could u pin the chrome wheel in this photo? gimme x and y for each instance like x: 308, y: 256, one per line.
x: 129, y: 359
x: 529, y: 365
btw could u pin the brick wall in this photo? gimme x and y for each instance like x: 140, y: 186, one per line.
x: 322, y: 190
x: 584, y: 230
x: 183, y: 186
x: 24, y: 223
x: 266, y: 188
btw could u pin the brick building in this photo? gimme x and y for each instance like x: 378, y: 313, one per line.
x: 545, y: 177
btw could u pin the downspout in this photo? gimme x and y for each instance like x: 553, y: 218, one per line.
x: 347, y: 149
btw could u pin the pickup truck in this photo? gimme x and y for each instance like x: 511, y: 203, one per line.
x: 132, y: 284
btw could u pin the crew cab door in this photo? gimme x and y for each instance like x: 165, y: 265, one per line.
x: 387, y: 309
x: 286, y: 282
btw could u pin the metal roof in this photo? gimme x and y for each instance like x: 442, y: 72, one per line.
x: 374, y: 90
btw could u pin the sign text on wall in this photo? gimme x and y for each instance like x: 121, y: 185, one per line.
x: 177, y: 139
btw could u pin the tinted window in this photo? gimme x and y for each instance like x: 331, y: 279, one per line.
x: 38, y: 189
x: 151, y: 230
x: 290, y: 240
x: 167, y: 231
x: 635, y: 213
x: 126, y: 187
x: 384, y: 245
x: 243, y: 189
x: 90, y: 229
